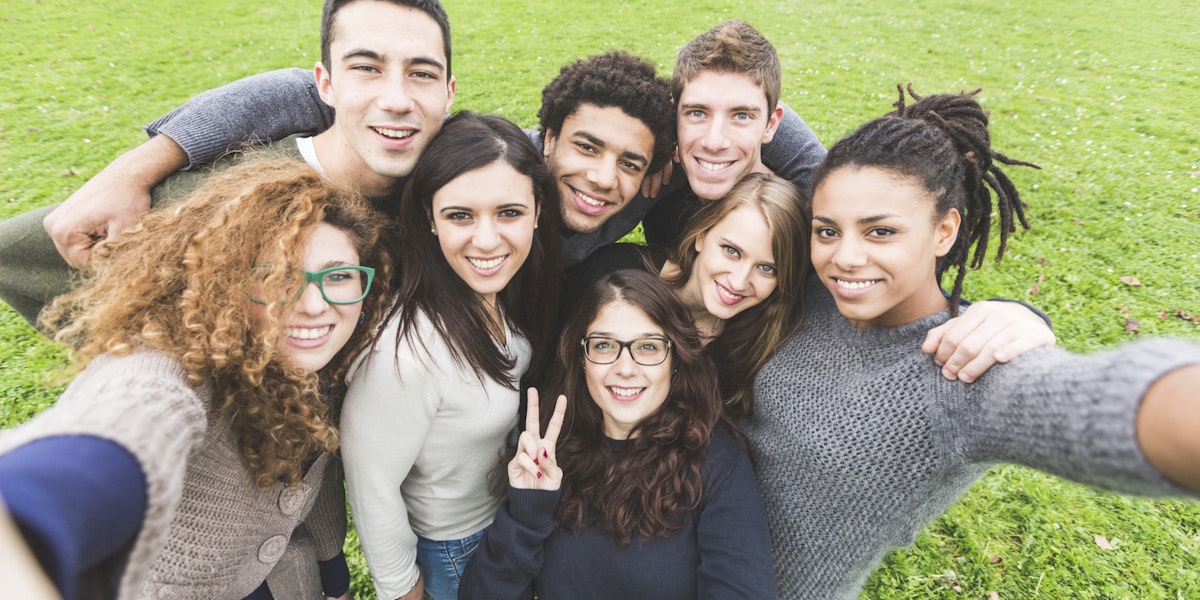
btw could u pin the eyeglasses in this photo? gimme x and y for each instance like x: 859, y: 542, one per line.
x: 339, y: 285
x: 648, y: 351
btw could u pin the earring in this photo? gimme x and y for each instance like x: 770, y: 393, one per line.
x: 433, y: 230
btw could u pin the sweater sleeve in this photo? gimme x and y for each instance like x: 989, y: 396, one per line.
x: 732, y: 537
x: 261, y: 108
x: 390, y: 406
x: 143, y: 404
x: 511, y: 553
x: 795, y: 151
x: 1074, y: 415
x: 76, y: 499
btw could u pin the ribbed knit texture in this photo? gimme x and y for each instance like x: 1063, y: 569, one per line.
x: 208, y: 531
x: 859, y: 441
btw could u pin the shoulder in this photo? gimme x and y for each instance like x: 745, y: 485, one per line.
x: 725, y: 453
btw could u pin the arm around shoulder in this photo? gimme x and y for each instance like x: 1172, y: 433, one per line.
x: 112, y: 200
x: 261, y: 108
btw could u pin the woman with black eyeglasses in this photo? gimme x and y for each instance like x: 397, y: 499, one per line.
x: 647, y: 492
x: 193, y: 456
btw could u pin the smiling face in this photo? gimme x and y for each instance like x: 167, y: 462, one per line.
x: 388, y: 82
x: 315, y: 330
x: 625, y: 391
x: 735, y: 266
x: 875, y: 245
x: 722, y: 123
x: 484, y: 221
x: 598, y: 161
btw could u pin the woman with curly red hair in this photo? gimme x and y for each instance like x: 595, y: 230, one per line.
x: 193, y: 454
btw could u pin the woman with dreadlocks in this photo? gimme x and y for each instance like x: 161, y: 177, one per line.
x: 857, y: 438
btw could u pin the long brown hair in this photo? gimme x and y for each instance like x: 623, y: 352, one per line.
x: 429, y: 285
x: 647, y: 489
x: 176, y: 283
x: 753, y: 335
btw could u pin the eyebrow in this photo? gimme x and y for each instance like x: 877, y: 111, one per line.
x: 862, y: 221
x: 595, y: 141
x: 744, y: 108
x: 609, y: 334
x: 505, y: 206
x: 373, y: 55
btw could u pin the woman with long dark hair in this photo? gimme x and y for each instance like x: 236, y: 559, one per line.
x: 648, y: 492
x: 430, y: 407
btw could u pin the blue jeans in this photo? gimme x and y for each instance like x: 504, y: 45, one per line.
x: 443, y: 563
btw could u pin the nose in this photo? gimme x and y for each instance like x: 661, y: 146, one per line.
x: 714, y: 136
x: 395, y: 95
x: 486, y: 235
x: 849, y: 253
x: 603, y: 173
x: 311, y: 302
x: 625, y: 364
x: 739, y: 277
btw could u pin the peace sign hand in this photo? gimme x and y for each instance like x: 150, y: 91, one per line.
x: 534, y: 467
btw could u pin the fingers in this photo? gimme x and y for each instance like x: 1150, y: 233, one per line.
x: 550, y: 442
x: 533, y: 420
x: 986, y: 333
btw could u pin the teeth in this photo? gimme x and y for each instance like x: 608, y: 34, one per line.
x: 590, y: 201
x: 626, y: 392
x: 712, y: 166
x: 396, y: 134
x: 307, y: 333
x: 487, y: 264
x: 855, y: 285
x: 728, y: 294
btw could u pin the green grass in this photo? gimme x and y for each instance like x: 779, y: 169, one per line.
x: 1105, y: 96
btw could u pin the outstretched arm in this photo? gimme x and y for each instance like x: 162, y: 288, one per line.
x: 1168, y: 426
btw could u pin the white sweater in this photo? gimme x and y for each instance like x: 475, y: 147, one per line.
x: 420, y: 434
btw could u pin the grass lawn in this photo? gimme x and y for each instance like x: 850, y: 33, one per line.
x: 1105, y: 96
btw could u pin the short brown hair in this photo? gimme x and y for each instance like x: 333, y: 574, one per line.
x: 734, y: 46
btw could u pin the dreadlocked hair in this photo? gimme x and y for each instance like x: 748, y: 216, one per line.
x: 942, y: 143
x: 175, y: 283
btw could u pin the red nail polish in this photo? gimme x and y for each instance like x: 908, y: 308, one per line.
x: 535, y: 461
x: 539, y: 474
x: 545, y: 454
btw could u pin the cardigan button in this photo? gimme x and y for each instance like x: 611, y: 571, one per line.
x: 272, y: 550
x: 291, y: 499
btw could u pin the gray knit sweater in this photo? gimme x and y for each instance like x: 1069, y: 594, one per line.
x: 208, y: 532
x: 859, y: 441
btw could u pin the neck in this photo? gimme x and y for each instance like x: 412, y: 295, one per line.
x: 341, y: 162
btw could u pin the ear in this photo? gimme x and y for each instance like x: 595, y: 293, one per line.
x: 324, y: 83
x: 945, y: 232
x: 550, y: 138
x: 772, y: 124
x: 700, y: 241
x: 451, y: 89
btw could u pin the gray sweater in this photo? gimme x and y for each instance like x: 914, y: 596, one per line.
x: 859, y: 441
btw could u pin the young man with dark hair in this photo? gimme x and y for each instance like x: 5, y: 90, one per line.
x: 385, y: 68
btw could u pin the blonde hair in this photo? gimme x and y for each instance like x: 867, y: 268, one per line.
x: 175, y: 283
x: 753, y: 335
